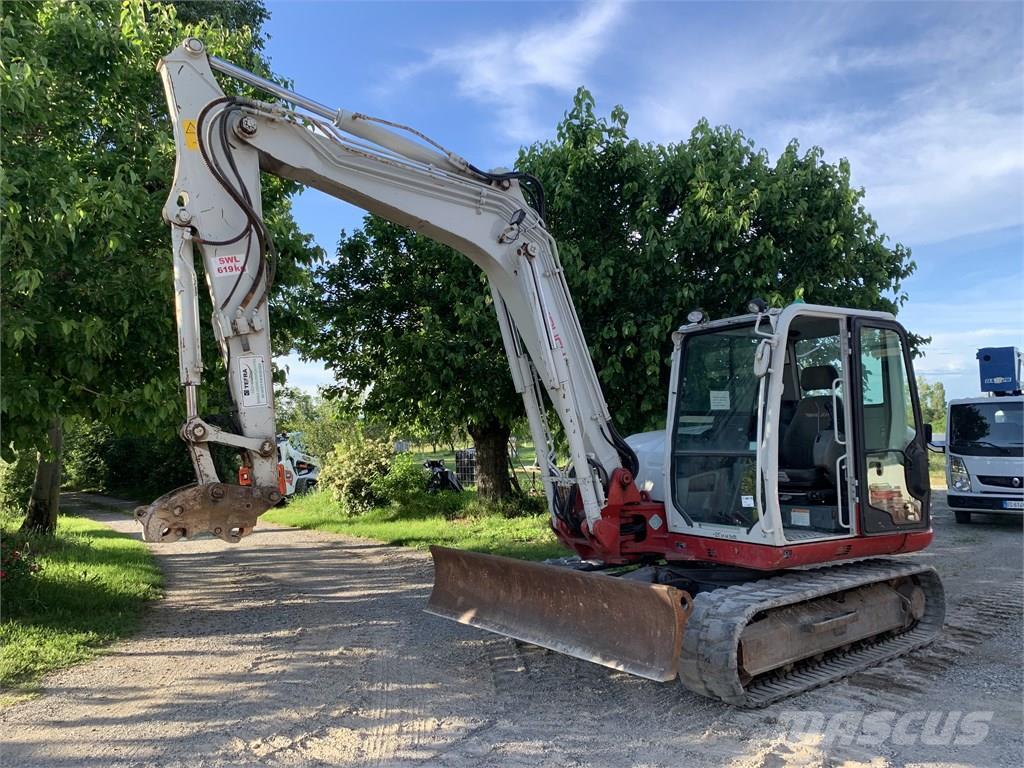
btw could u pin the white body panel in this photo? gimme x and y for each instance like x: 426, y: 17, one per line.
x: 650, y: 452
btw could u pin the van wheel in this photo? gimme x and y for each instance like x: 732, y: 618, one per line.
x: 964, y: 518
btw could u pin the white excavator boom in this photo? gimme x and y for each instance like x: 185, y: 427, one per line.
x: 223, y: 144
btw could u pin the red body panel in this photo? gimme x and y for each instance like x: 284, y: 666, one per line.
x: 626, y: 505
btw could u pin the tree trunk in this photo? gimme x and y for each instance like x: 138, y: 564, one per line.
x: 491, y: 442
x: 44, y: 503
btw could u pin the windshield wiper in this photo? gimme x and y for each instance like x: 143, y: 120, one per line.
x: 1001, y: 448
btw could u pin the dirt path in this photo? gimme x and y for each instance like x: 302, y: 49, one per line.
x: 300, y: 648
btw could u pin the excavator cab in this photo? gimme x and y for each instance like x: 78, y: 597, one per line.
x: 794, y: 438
x: 795, y: 425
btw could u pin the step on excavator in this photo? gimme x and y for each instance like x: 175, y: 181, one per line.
x: 743, y: 549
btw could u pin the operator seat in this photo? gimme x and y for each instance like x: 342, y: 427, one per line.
x: 790, y: 398
x: 809, y: 447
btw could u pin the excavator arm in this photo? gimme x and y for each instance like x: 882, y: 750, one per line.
x: 223, y: 144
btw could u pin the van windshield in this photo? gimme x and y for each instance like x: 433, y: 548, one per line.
x: 987, y: 429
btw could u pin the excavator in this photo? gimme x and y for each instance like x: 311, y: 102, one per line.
x: 743, y: 549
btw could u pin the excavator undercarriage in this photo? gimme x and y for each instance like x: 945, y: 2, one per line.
x: 745, y: 638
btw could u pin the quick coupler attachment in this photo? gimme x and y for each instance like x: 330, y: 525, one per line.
x: 228, y: 512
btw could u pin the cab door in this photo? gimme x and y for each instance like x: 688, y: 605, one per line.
x: 891, y: 461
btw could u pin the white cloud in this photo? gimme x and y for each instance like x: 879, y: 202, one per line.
x: 931, y: 121
x: 935, y: 169
x: 925, y: 100
x: 504, y: 70
x: 736, y: 73
x: 989, y: 315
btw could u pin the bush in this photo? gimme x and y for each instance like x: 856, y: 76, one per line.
x: 16, y: 480
x: 405, y: 480
x: 95, y: 459
x: 362, y: 474
x: 17, y: 564
x: 144, y: 467
x: 353, y: 473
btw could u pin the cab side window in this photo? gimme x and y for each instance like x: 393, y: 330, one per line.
x: 889, y: 425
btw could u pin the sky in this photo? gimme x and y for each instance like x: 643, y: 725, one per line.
x: 925, y: 100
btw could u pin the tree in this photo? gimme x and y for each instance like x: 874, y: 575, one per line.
x: 646, y: 232
x: 933, y: 403
x: 88, y: 325
x: 409, y: 330
x: 293, y: 407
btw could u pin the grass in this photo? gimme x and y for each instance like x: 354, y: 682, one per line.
x: 528, y: 537
x: 91, y: 590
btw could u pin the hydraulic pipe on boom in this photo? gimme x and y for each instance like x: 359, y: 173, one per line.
x: 485, y: 216
x: 767, y: 462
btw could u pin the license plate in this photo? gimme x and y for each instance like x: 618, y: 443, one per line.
x: 1013, y: 504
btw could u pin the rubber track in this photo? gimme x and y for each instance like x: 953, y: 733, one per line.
x: 709, y: 660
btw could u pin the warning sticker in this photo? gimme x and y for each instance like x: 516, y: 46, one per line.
x: 191, y: 137
x: 800, y: 517
x: 252, y: 373
x: 719, y: 400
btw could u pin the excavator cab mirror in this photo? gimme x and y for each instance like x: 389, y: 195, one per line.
x: 763, y: 359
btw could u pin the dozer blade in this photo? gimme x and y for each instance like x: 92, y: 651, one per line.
x: 627, y: 625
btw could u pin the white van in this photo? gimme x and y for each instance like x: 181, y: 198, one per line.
x: 985, y: 456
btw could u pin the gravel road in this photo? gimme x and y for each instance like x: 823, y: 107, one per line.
x: 302, y: 648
